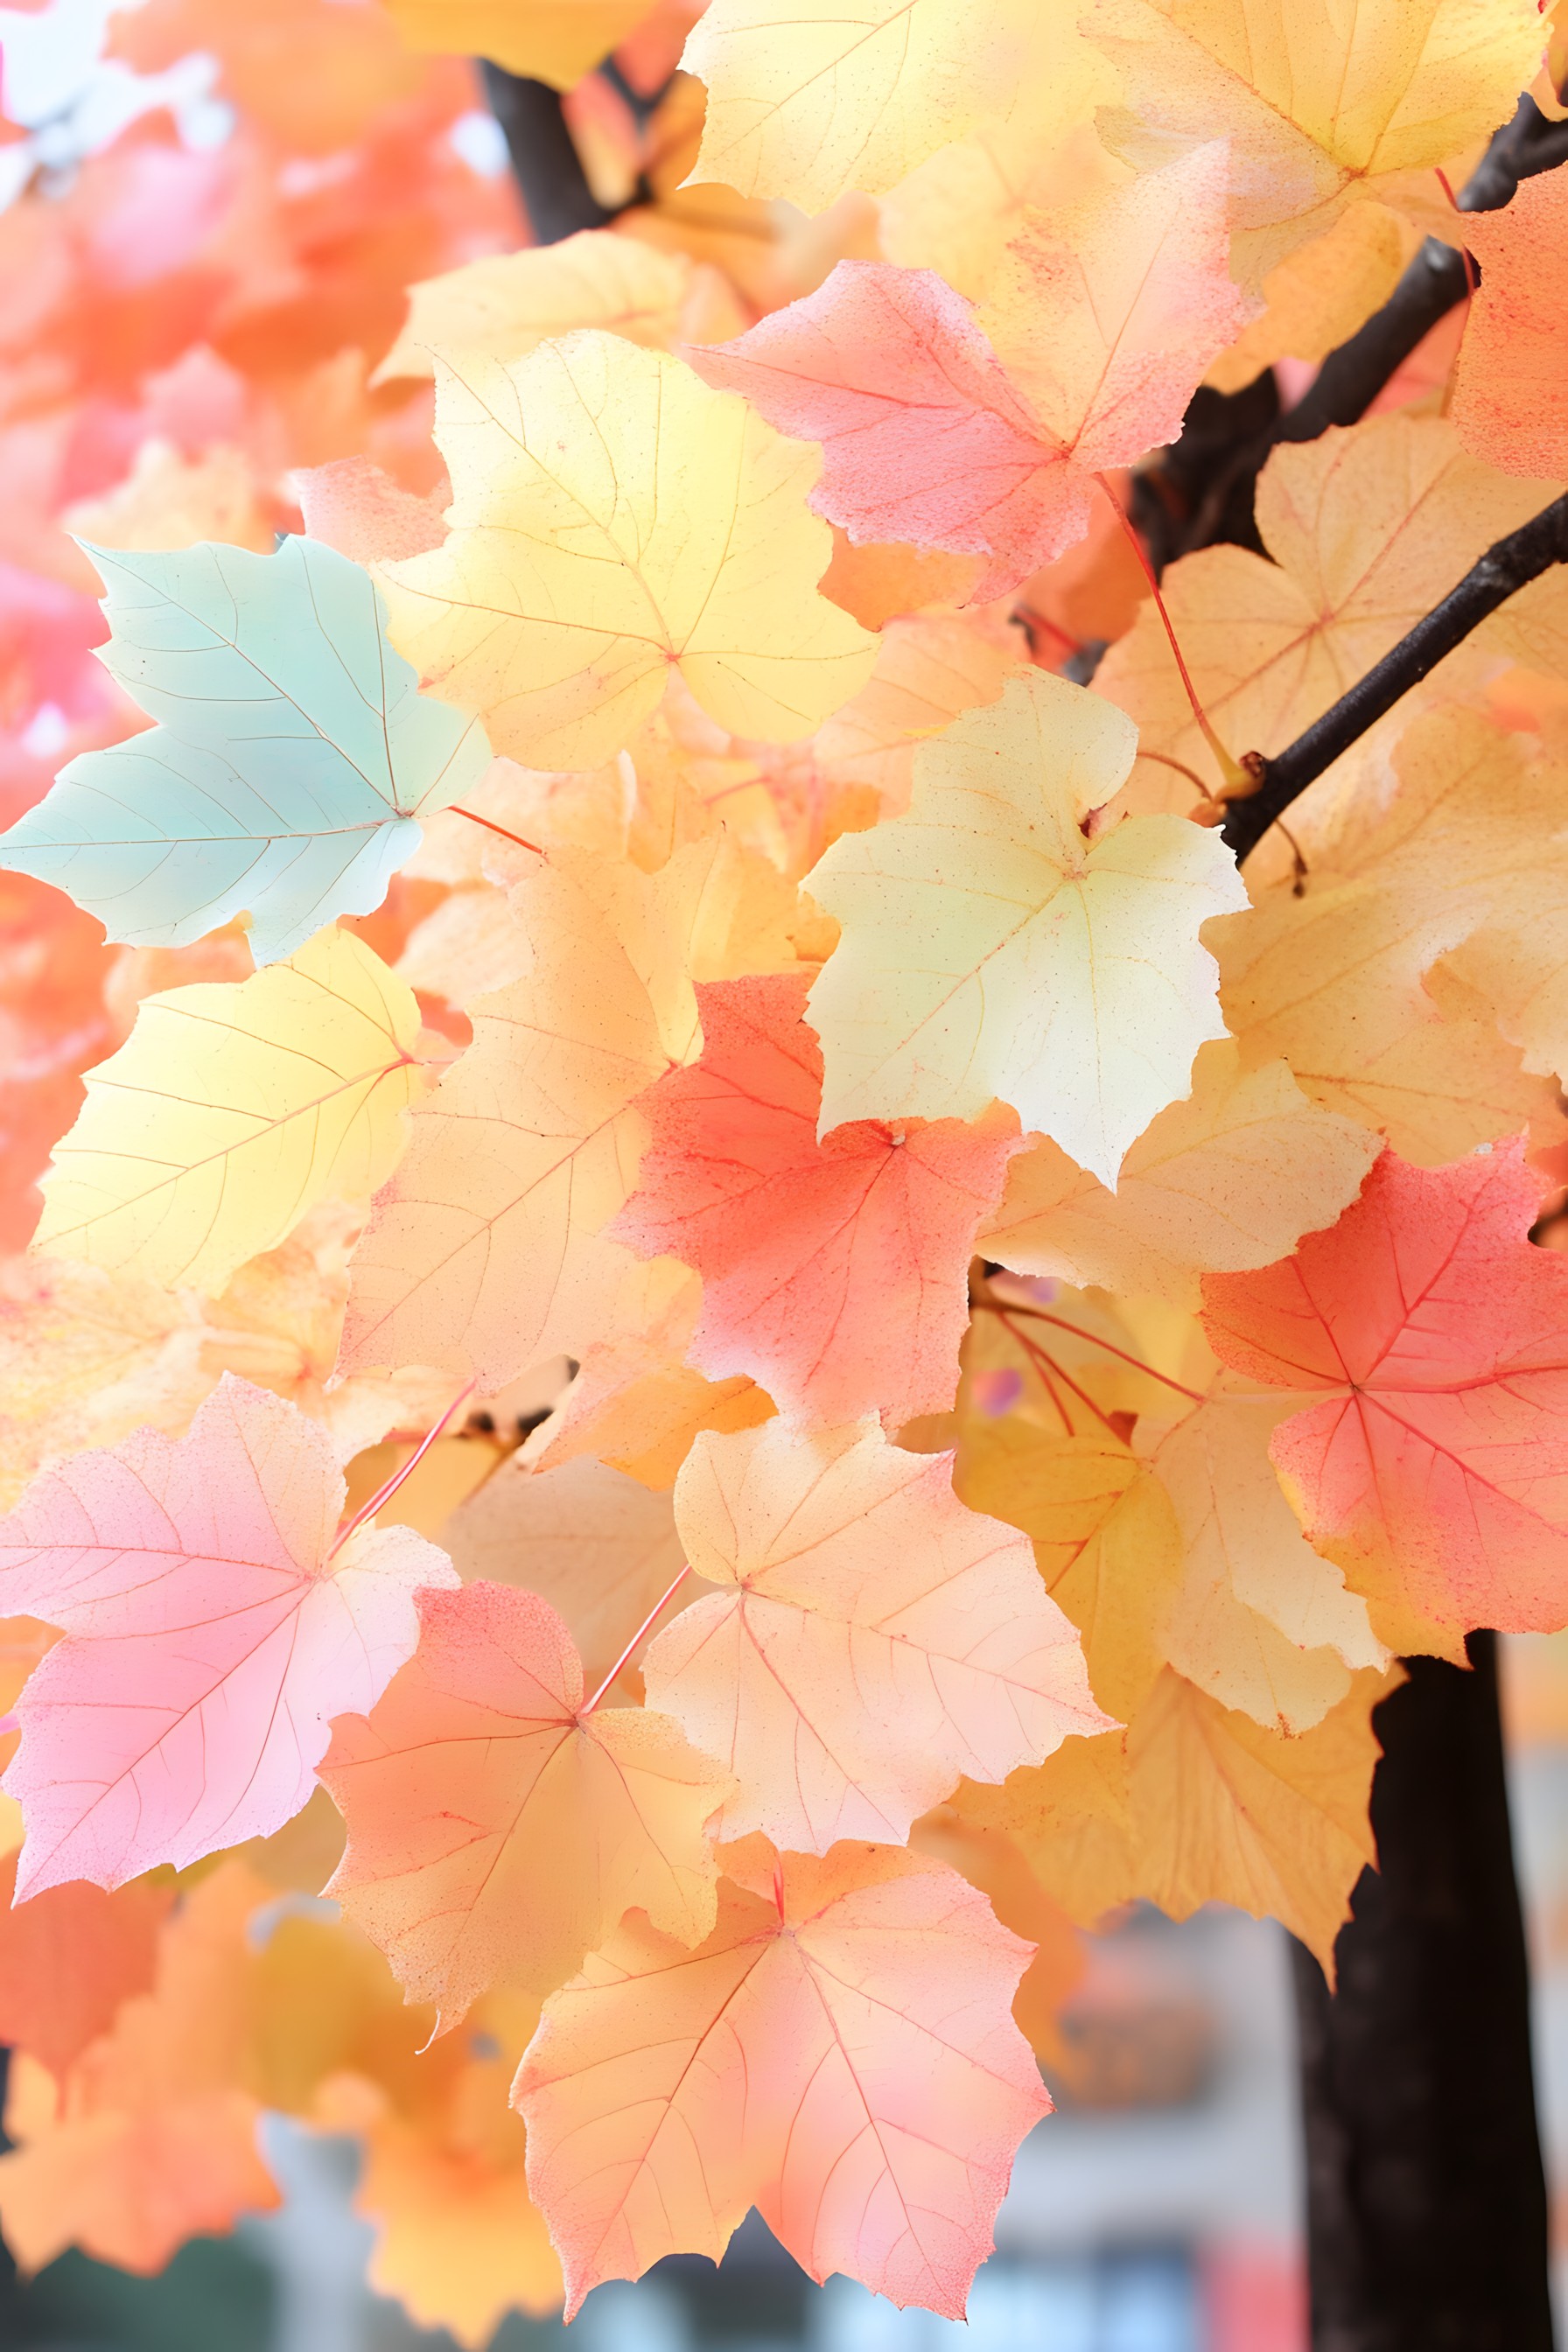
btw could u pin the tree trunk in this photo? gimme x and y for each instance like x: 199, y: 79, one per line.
x: 1425, y: 2197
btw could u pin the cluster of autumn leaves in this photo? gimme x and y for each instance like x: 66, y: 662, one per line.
x: 736, y: 1333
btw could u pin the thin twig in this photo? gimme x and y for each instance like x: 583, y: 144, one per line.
x: 664, y: 1599
x: 1505, y: 568
x: 386, y: 1491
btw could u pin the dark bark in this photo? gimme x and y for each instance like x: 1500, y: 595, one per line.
x: 1200, y: 493
x: 1506, y: 567
x: 1426, y: 2203
x: 545, y: 163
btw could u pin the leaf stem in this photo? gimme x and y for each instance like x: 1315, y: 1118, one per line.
x: 664, y: 1599
x: 1033, y: 1349
x: 1232, y: 771
x: 386, y: 1491
x: 474, y: 818
x: 994, y: 1306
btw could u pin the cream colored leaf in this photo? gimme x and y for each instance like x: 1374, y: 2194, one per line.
x: 1061, y: 974
x: 1262, y: 1622
x: 1199, y: 1191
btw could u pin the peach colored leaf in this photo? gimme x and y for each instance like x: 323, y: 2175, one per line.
x: 209, y: 1637
x: 612, y: 519
x: 234, y: 1107
x: 504, y: 304
x: 1199, y: 1190
x: 486, y: 1252
x: 155, y: 2139
x: 983, y: 435
x: 351, y: 505
x: 636, y: 1404
x: 807, y: 100
x: 835, y: 1273
x: 1058, y: 973
x: 1432, y: 1466
x: 498, y: 1828
x: 1324, y: 106
x: 877, y: 1638
x: 839, y: 2054
x: 1509, y: 404
x: 70, y: 1957
x: 595, y: 1544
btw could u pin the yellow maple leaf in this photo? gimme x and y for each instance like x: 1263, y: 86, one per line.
x: 1105, y: 1537
x: 557, y: 41
x: 805, y: 101
x: 613, y: 519
x: 1319, y: 294
x: 504, y: 304
x: 1059, y: 973
x: 232, y: 1109
x: 1212, y: 1809
x: 1323, y: 106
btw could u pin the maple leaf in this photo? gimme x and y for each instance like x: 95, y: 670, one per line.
x: 1199, y: 1190
x: 1319, y: 295
x: 984, y: 435
x: 835, y: 1273
x: 806, y: 101
x: 1433, y: 1335
x: 1059, y: 973
x: 930, y: 666
x: 498, y: 1827
x: 487, y: 1251
x: 70, y: 1957
x: 1507, y: 406
x: 1323, y: 108
x: 598, y: 1546
x: 1436, y: 929
x: 155, y: 2139
x: 1364, y: 526
x: 209, y: 1635
x: 839, y: 2054
x: 877, y: 1638
x: 556, y: 41
x: 504, y: 304
x: 232, y: 1110
x: 1104, y: 1534
x: 636, y: 1404
x: 291, y: 758
x: 1261, y: 1622
x: 351, y: 505
x: 612, y: 519
x: 1201, y: 1804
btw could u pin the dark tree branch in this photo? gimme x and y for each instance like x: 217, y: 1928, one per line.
x: 1505, y: 568
x: 1201, y: 492
x: 545, y: 160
